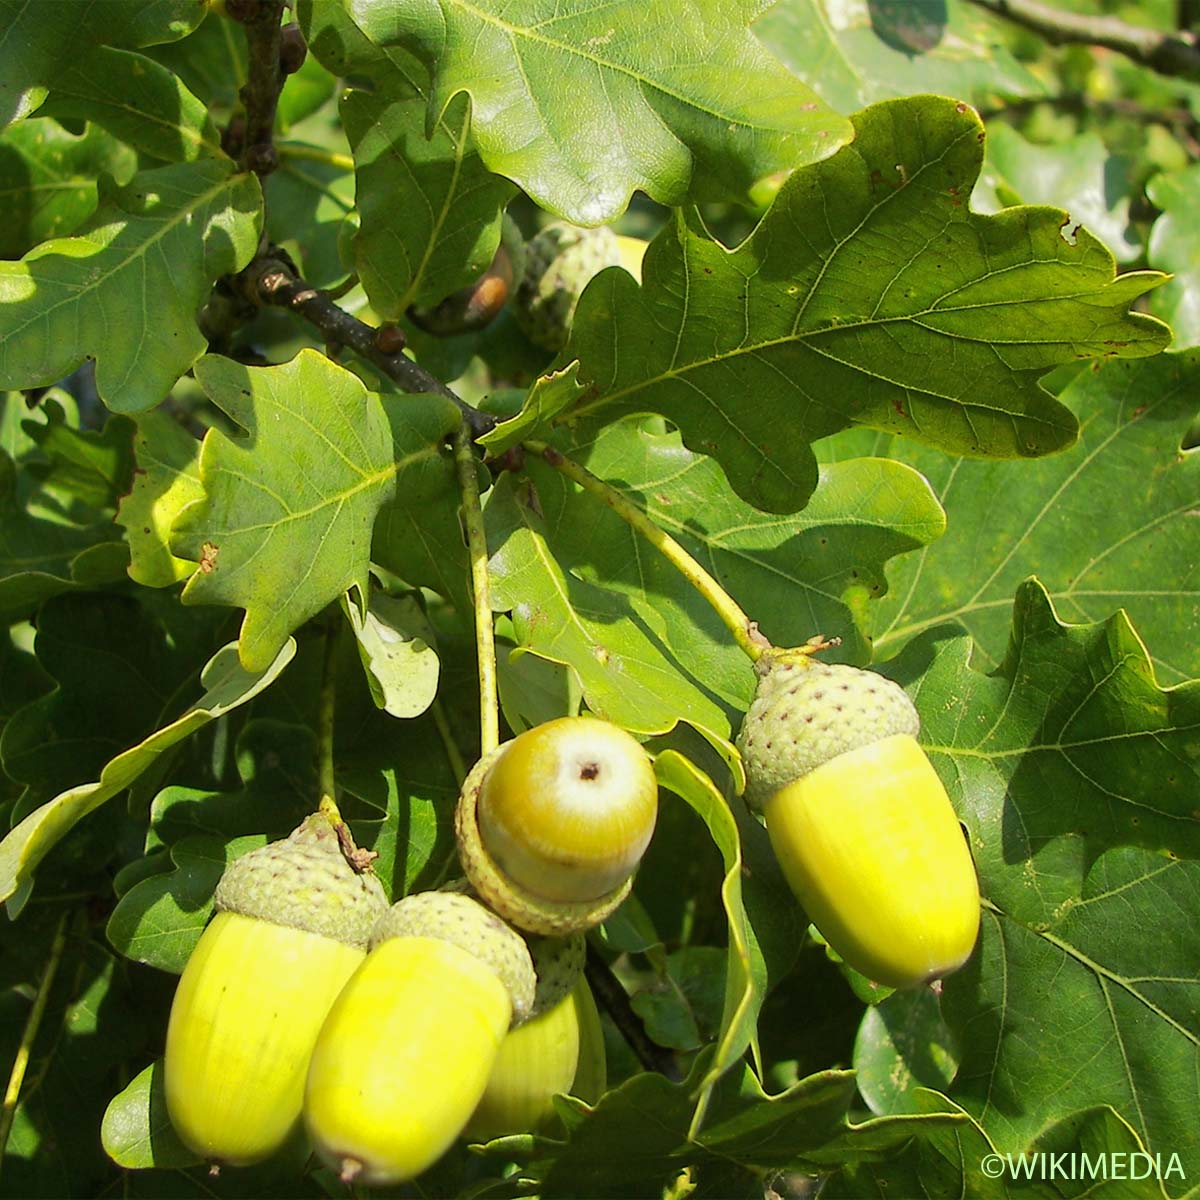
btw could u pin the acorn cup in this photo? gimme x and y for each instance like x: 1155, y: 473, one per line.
x: 558, y: 1050
x: 552, y: 825
x: 858, y: 818
x: 292, y: 925
x: 407, y: 1049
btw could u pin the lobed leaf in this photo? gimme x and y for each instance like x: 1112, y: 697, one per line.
x: 1142, y: 556
x: 226, y: 685
x: 1076, y: 777
x: 656, y: 99
x: 869, y: 294
x: 285, y: 524
x: 126, y: 292
x: 40, y: 41
x: 48, y: 180
x: 852, y: 53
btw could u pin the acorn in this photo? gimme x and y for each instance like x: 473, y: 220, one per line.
x: 552, y: 825
x: 559, y: 263
x: 292, y: 924
x: 550, y: 1054
x: 858, y: 818
x: 405, y: 1054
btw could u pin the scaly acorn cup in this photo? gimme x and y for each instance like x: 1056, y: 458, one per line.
x: 858, y: 818
x: 552, y: 825
x: 559, y: 263
x: 541, y: 1058
x: 406, y: 1051
x: 293, y: 923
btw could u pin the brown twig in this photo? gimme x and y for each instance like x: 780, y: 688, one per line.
x: 1164, y: 51
x: 613, y: 998
x: 264, y: 82
x: 270, y: 279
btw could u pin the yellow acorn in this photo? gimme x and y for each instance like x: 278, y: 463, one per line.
x: 406, y: 1051
x: 552, y: 1053
x: 552, y: 825
x: 292, y: 925
x: 858, y: 818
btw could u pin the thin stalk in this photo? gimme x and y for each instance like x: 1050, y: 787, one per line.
x: 481, y: 590
x: 326, y: 710
x: 32, y: 1024
x: 453, y: 755
x: 296, y: 152
x: 745, y: 631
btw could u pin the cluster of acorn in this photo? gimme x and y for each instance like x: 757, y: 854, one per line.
x: 393, y: 1031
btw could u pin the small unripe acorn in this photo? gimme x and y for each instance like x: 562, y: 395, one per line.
x: 552, y: 825
x: 406, y: 1051
x: 292, y: 925
x: 543, y: 1057
x: 559, y: 263
x: 858, y: 818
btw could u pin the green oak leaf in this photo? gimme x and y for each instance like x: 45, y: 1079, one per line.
x: 137, y: 1130
x: 869, y: 294
x: 640, y: 1135
x: 40, y: 41
x: 1175, y: 247
x: 550, y: 395
x: 656, y: 96
x: 1086, y: 1154
x: 1076, y: 175
x: 40, y: 558
x: 575, y: 572
x: 852, y: 54
x: 276, y: 764
x: 902, y: 1046
x: 48, y: 180
x: 159, y: 920
x: 310, y: 193
x: 226, y: 686
x: 430, y: 211
x: 745, y: 969
x: 211, y: 60
x: 1076, y: 777
x: 397, y: 647
x: 286, y: 521
x: 138, y: 101
x: 126, y: 292
x: 167, y: 481
x: 626, y: 674
x: 1142, y: 556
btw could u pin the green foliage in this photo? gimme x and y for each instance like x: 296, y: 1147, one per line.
x: 877, y: 378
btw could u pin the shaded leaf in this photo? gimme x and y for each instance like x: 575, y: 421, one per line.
x: 137, y: 1130
x: 226, y: 685
x: 853, y: 53
x: 285, y: 524
x: 902, y: 1046
x: 48, y: 180
x: 430, y: 211
x: 166, y: 482
x: 1175, y: 247
x: 310, y: 194
x: 137, y: 100
x: 1076, y: 777
x: 869, y: 294
x: 1074, y: 175
x: 160, y: 920
x: 39, y: 41
x: 1112, y: 523
x: 396, y: 645
x: 40, y: 558
x: 636, y: 1138
x: 656, y: 99
x: 624, y: 671
x: 126, y: 293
